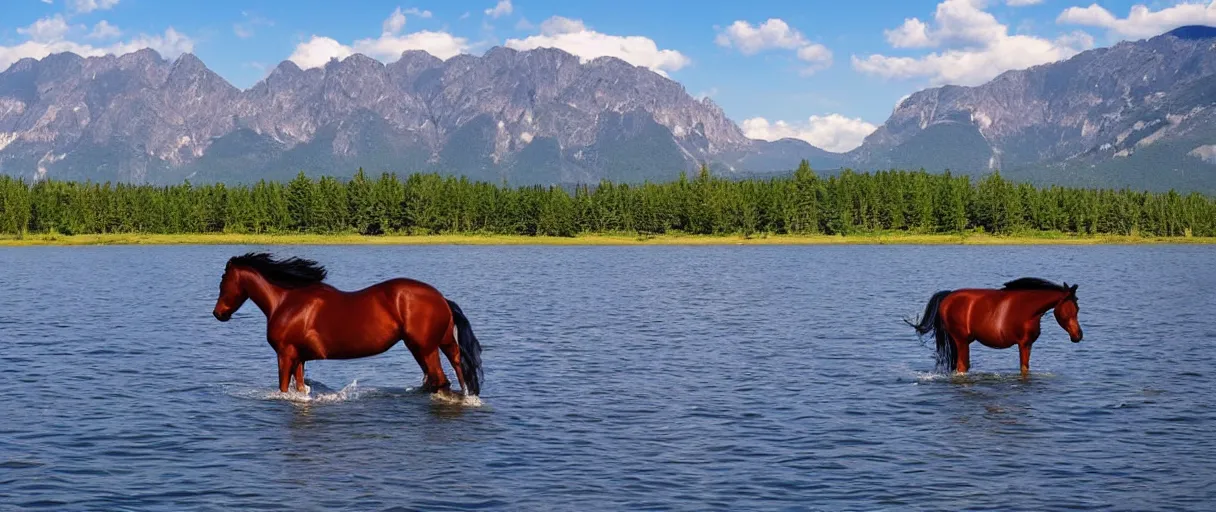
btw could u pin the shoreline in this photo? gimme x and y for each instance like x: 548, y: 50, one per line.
x: 591, y: 239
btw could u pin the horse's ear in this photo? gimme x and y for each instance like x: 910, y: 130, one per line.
x: 1073, y: 290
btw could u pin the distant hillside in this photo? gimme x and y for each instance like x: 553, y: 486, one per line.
x: 1139, y: 114
x: 538, y: 116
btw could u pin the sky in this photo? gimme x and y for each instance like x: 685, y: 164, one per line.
x: 828, y: 72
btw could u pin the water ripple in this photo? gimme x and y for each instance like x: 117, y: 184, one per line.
x: 619, y: 378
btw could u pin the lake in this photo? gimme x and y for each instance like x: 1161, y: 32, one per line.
x: 616, y: 378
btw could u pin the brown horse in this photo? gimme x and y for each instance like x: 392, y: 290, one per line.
x: 996, y: 318
x: 307, y: 319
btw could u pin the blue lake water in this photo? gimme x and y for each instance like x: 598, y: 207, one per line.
x: 616, y: 378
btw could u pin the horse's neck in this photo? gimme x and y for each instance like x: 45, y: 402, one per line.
x: 1040, y: 301
x: 266, y: 295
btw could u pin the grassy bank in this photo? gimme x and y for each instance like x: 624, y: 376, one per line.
x: 590, y: 239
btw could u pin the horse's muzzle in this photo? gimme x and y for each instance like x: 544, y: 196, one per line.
x: 221, y: 317
x: 1077, y: 339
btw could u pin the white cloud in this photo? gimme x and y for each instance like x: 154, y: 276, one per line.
x: 575, y: 37
x: 977, y: 47
x: 46, y: 29
x: 315, y: 52
x: 169, y: 45
x: 83, y: 6
x: 1023, y: 3
x: 914, y: 33
x: 774, y: 33
x: 559, y: 25
x: 502, y: 8
x: 48, y: 2
x: 832, y: 132
x: 318, y: 50
x: 1141, y: 21
x: 50, y: 35
x: 957, y: 22
x: 394, y: 23
x: 817, y: 56
x: 104, y: 30
x: 750, y: 40
x: 388, y: 47
x: 414, y: 11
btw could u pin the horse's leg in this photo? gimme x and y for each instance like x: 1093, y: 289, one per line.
x: 286, y: 365
x: 427, y: 333
x: 1024, y: 351
x: 962, y: 347
x: 299, y: 371
x: 452, y: 350
x: 434, y: 371
x: 417, y: 353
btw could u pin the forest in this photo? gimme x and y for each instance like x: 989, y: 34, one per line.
x: 799, y: 204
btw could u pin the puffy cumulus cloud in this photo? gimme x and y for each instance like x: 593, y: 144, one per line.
x: 958, y: 22
x: 389, y: 47
x: 502, y: 8
x: 774, y: 33
x: 750, y: 40
x: 976, y: 66
x: 914, y: 33
x: 559, y: 25
x: 394, y: 23
x: 55, y: 35
x: 1141, y: 21
x: 46, y: 29
x: 818, y: 57
x: 976, y: 46
x: 575, y: 37
x: 170, y: 44
x: 104, y: 30
x: 832, y: 132
x: 318, y: 50
x: 83, y: 6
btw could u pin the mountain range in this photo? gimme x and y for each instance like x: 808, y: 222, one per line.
x: 1139, y: 114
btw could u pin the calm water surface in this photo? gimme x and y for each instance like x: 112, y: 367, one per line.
x: 617, y: 378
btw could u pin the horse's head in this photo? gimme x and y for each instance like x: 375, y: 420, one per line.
x: 232, y: 294
x: 1066, y: 313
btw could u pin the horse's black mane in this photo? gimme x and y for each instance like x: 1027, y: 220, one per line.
x: 289, y: 273
x: 1033, y: 283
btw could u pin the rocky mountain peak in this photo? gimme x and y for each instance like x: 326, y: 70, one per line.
x: 1124, y: 114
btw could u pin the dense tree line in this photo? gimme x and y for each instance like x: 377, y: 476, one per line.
x: 803, y: 203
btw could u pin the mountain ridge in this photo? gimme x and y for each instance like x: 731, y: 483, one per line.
x: 1137, y: 114
x: 1099, y: 118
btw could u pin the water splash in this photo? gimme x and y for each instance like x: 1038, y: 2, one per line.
x: 450, y: 398
x: 349, y: 392
x: 974, y: 377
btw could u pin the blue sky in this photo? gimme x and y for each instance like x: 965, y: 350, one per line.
x: 824, y: 71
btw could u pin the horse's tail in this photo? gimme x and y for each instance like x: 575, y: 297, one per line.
x: 470, y: 351
x: 931, y: 321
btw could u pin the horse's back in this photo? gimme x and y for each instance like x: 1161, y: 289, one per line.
x: 979, y: 313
